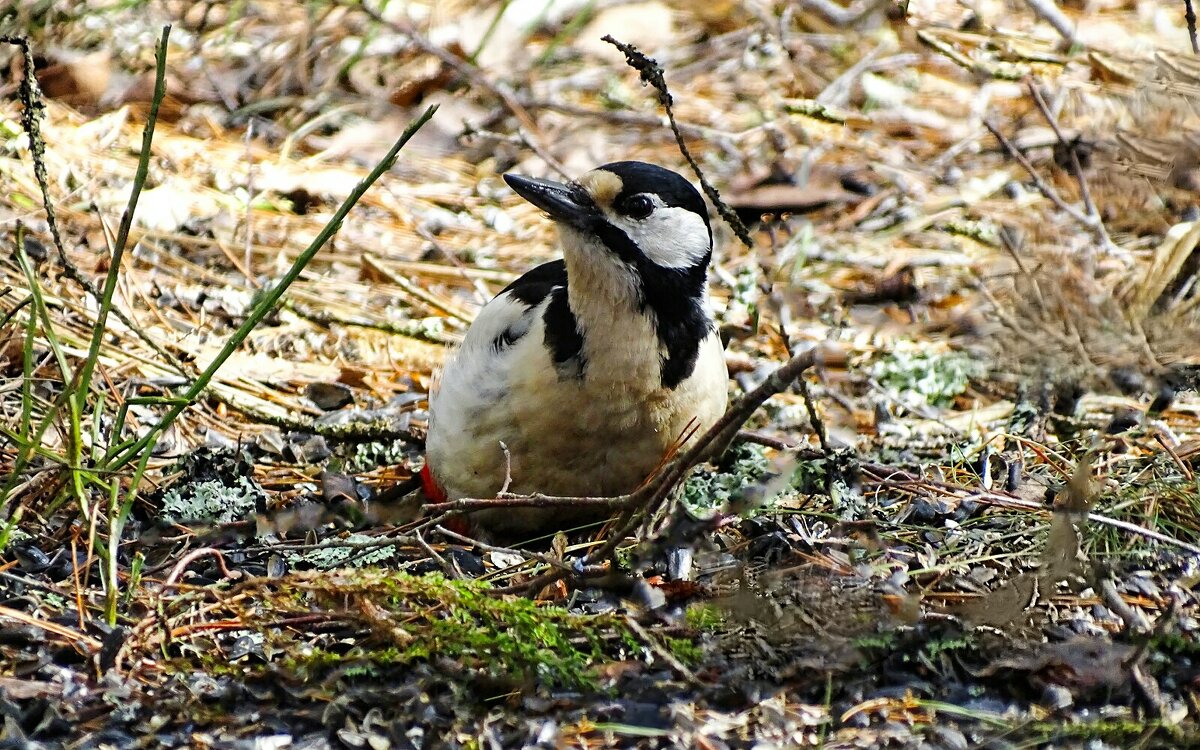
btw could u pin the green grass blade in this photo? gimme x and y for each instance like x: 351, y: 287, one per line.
x: 270, y: 298
x: 122, y: 239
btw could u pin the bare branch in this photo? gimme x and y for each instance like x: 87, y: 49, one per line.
x: 1091, y: 222
x: 1189, y: 15
x: 1049, y: 12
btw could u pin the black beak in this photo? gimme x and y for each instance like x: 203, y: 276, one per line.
x: 569, y: 204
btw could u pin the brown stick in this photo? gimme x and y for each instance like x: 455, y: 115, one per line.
x: 1092, y: 213
x: 1092, y: 223
x: 1189, y: 15
x: 653, y: 75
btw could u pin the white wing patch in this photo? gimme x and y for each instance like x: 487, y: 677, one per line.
x: 476, y: 382
x: 504, y: 314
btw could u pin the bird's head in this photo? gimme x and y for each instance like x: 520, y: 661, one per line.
x: 629, y: 228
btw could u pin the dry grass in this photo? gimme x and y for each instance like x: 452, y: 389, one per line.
x: 913, y: 244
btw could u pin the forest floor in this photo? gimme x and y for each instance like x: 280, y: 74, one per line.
x: 973, y: 522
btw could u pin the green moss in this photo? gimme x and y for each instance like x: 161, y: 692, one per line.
x: 1120, y: 732
x: 704, y: 617
x: 935, y: 648
x: 876, y: 642
x: 931, y: 648
x: 685, y: 650
x: 511, y: 638
x: 505, y: 641
x: 810, y: 477
x: 490, y: 644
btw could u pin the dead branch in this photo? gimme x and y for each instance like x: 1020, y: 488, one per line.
x: 1049, y: 12
x: 1189, y: 15
x: 451, y: 571
x: 1071, y: 148
x: 1091, y: 222
x: 653, y: 75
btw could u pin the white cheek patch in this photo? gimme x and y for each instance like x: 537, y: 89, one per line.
x: 671, y: 237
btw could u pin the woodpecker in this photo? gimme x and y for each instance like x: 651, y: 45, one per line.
x: 579, y: 376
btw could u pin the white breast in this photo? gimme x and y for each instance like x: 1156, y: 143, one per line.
x: 599, y: 435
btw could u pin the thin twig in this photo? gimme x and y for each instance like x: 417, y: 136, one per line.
x: 553, y: 562
x: 1179, y: 463
x: 814, y: 418
x: 1038, y: 182
x: 507, y: 469
x: 1116, y: 523
x: 1092, y: 223
x: 1189, y: 15
x: 451, y: 571
x: 538, y: 148
x: 661, y: 652
x: 194, y: 555
x: 79, y: 608
x: 248, y: 254
x: 50, y: 627
x: 1048, y: 11
x: 652, y: 74
x: 1161, y: 625
x: 765, y: 440
x: 1135, y: 622
x: 411, y: 288
x: 1071, y: 148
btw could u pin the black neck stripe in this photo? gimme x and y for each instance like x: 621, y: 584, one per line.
x: 562, y: 336
x: 674, y: 295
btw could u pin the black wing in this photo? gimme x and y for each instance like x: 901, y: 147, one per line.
x: 561, y: 335
x: 535, y: 285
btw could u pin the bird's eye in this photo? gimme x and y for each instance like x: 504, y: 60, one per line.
x: 638, y: 206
